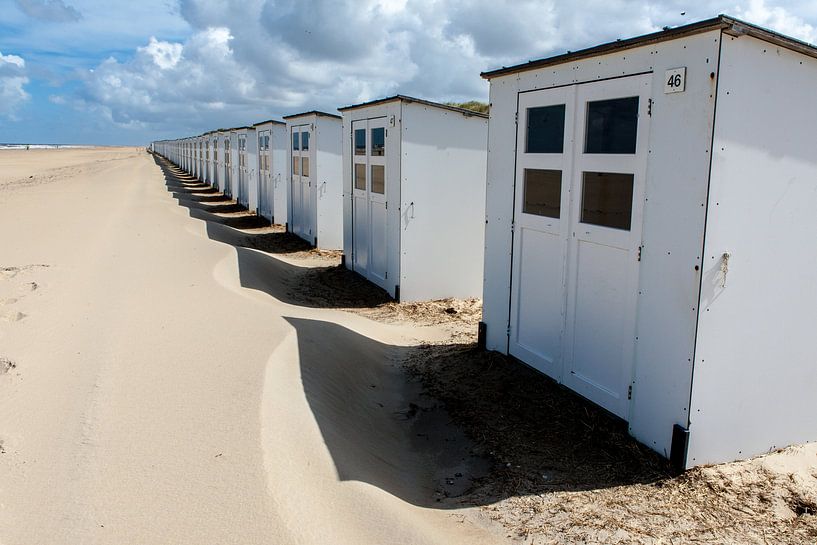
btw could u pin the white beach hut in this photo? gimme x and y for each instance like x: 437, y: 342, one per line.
x: 315, y: 208
x: 414, y: 197
x: 271, y: 168
x: 650, y: 233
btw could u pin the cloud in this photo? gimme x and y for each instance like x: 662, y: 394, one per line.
x: 49, y: 10
x: 12, y: 82
x: 251, y: 59
x: 779, y: 19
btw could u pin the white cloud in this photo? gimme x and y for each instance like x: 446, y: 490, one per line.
x: 779, y: 19
x: 252, y: 59
x: 49, y: 10
x: 13, y: 79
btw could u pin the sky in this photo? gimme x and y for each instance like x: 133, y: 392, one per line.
x: 125, y: 72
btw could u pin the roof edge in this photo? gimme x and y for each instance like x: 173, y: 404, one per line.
x: 405, y: 98
x: 311, y: 112
x: 730, y: 25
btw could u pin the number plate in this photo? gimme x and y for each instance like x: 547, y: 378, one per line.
x: 675, y: 80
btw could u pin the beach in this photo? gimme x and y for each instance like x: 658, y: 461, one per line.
x: 149, y: 397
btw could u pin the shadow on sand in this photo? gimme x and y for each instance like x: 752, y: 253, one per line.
x: 516, y: 431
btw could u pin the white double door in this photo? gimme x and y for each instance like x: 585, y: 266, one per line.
x: 304, y: 196
x: 264, y: 176
x: 369, y: 208
x: 243, y: 172
x: 580, y: 178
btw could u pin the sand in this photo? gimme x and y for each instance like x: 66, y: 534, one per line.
x: 154, y: 390
x: 175, y: 370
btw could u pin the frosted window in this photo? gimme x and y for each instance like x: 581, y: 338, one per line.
x: 607, y: 199
x: 542, y: 192
x: 378, y: 179
x: 360, y: 176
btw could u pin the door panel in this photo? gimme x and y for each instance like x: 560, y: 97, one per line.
x: 608, y: 185
x: 541, y: 222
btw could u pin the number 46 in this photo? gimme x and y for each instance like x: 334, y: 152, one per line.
x: 675, y: 80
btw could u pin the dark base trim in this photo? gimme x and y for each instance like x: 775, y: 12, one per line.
x: 482, y: 334
x: 678, y: 449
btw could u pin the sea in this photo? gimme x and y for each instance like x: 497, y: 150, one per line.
x: 42, y: 146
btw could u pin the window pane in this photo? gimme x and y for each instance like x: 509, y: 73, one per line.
x: 304, y: 166
x: 543, y: 192
x: 607, y: 199
x: 304, y: 140
x: 546, y: 129
x: 378, y: 178
x: 295, y: 141
x: 360, y: 141
x: 360, y: 176
x: 612, y: 126
x: 378, y: 144
x: 296, y: 165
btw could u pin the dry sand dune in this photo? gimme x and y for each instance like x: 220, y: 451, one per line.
x: 152, y: 391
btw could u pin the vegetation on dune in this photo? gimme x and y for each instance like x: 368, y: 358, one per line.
x: 474, y: 105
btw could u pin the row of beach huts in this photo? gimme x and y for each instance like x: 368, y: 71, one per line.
x: 638, y: 218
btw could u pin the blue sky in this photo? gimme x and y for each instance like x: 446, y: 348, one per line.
x: 127, y: 72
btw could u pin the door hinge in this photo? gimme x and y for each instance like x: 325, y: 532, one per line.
x: 516, y: 117
x: 386, y: 135
x: 387, y: 205
x: 387, y: 275
x: 508, y: 330
x: 513, y: 226
x: 630, y: 392
x: 639, y: 252
x: 649, y: 107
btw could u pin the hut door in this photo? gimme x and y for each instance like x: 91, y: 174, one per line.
x: 215, y: 162
x: 301, y: 183
x: 369, y: 200
x: 242, y: 170
x: 610, y: 159
x: 264, y: 179
x: 228, y: 165
x: 581, y: 166
x: 544, y: 167
x: 360, y: 199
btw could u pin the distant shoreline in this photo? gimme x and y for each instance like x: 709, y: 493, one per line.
x: 45, y: 146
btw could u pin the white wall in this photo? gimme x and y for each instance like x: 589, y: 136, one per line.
x: 755, y: 369
x: 329, y: 179
x: 442, y: 203
x: 674, y: 210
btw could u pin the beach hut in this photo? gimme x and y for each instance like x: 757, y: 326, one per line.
x: 315, y: 205
x: 272, y: 191
x: 650, y: 233
x: 414, y: 197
